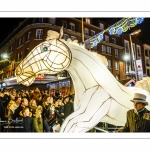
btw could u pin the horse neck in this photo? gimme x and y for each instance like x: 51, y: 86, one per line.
x: 78, y: 71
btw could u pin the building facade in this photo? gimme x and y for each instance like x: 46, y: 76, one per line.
x: 146, y: 64
x: 33, y: 31
x: 137, y: 52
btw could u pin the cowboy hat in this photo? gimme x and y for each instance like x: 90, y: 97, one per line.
x: 139, y: 98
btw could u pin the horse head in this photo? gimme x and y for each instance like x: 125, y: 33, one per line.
x: 49, y: 57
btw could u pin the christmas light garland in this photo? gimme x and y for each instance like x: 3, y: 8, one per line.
x: 116, y: 29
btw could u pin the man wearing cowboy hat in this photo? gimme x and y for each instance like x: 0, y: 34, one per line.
x: 138, y: 119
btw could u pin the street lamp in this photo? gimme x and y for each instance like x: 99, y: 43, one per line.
x: 134, y: 61
x: 5, y: 56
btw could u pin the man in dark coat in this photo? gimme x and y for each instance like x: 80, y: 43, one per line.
x: 25, y: 123
x: 138, y: 119
x: 68, y: 107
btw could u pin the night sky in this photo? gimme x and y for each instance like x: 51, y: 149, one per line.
x: 7, y: 25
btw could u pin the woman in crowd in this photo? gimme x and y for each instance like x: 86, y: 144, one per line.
x: 37, y: 119
x: 48, y: 112
x: 37, y: 96
x: 32, y: 105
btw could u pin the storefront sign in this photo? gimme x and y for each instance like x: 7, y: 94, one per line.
x: 139, y: 69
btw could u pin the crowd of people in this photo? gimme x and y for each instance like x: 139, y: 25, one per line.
x: 33, y: 110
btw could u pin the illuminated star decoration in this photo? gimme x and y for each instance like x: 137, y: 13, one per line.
x: 117, y: 29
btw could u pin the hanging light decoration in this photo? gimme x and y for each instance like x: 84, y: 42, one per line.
x: 116, y: 29
x: 100, y: 37
x: 119, y: 30
x: 95, y: 43
x: 111, y: 31
x: 139, y: 20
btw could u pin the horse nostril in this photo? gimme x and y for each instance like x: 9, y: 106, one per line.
x: 18, y: 70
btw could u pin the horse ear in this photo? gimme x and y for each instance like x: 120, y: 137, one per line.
x: 52, y: 35
x: 61, y: 32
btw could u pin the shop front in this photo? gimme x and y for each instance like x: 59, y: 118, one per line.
x: 64, y: 86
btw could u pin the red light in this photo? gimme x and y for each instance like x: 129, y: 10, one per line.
x: 40, y: 76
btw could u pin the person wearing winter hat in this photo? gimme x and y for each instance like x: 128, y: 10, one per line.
x: 138, y: 119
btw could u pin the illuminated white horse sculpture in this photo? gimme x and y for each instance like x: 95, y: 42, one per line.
x: 98, y: 95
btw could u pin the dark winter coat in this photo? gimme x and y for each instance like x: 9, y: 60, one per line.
x: 137, y: 122
x: 17, y: 112
x: 68, y: 109
x: 6, y: 100
x: 59, y: 110
x: 25, y: 126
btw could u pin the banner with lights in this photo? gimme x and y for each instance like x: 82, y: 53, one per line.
x: 116, y: 29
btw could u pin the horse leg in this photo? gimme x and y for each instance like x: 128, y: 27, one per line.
x: 95, y: 105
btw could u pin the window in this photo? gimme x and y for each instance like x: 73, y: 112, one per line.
x: 10, y: 49
x: 127, y: 46
x: 20, y: 56
x: 65, y: 37
x: 86, y: 31
x: 19, y: 44
x: 138, y: 51
x: 87, y: 20
x: 26, y: 52
x: 52, y: 20
x: 8, y: 74
x: 134, y: 51
x: 41, y: 20
x: 133, y: 68
x: 72, y: 26
x: 109, y: 50
x: 101, y: 26
x: 109, y: 63
x: 103, y: 49
x: 146, y: 53
x: 92, y: 33
x: 116, y: 65
x: 39, y: 33
x: 148, y: 72
x: 106, y: 38
x: 133, y: 46
x: 73, y: 38
x: 28, y: 36
x: 116, y: 53
x: 64, y: 24
x: 113, y: 40
x: 147, y: 62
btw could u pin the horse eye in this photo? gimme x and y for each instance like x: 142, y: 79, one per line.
x: 45, y: 48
